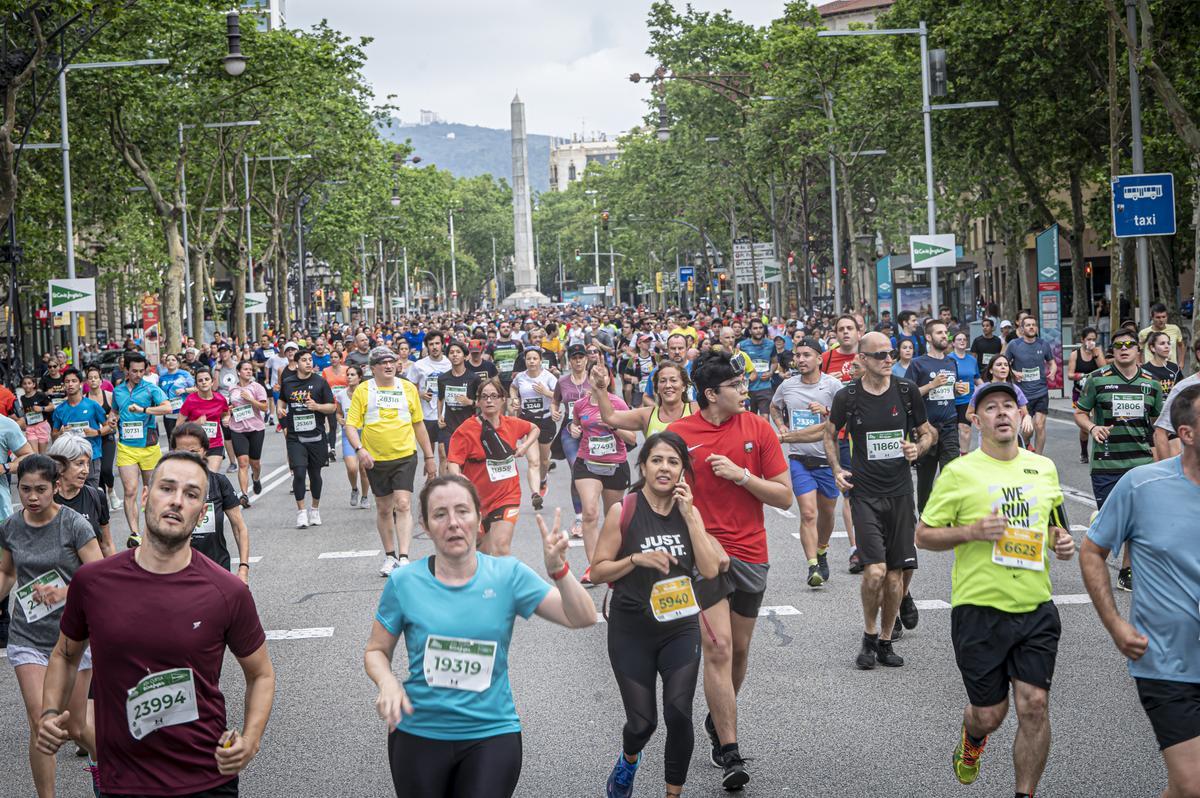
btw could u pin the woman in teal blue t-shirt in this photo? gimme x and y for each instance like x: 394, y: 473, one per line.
x: 454, y: 728
x: 968, y: 372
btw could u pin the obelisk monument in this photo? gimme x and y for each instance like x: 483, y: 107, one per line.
x: 526, y: 294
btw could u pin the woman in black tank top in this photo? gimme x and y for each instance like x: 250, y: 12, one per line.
x: 1083, y: 361
x: 108, y: 443
x: 652, y: 546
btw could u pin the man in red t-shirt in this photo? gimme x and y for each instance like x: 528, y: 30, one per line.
x: 840, y: 363
x: 493, y: 472
x: 159, y: 618
x: 737, y: 467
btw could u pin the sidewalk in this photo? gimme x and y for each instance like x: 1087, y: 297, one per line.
x: 1061, y: 408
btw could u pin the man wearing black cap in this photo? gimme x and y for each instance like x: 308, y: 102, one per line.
x: 1000, y: 508
x: 799, y: 409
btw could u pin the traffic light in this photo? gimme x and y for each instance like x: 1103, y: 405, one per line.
x: 356, y: 287
x: 690, y: 284
x: 604, y: 219
x: 813, y: 268
x: 722, y: 277
x: 577, y: 257
x: 791, y: 259
x: 1087, y: 269
x: 845, y: 271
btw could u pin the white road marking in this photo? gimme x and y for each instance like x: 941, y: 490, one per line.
x: 251, y: 561
x: 300, y: 634
x: 1078, y: 528
x: 267, y: 488
x: 1080, y: 496
x: 3, y: 653
x: 1072, y: 598
x: 784, y: 513
x: 931, y: 604
x: 837, y: 533
x: 763, y: 612
x: 345, y: 555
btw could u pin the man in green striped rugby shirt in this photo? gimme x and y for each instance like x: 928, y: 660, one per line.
x: 1117, y: 408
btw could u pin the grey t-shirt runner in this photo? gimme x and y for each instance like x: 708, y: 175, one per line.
x: 793, y: 397
x: 1029, y: 364
x: 35, y: 552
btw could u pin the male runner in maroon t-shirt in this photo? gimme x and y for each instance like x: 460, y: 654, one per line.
x: 158, y: 619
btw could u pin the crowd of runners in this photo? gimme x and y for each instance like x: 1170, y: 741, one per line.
x: 675, y: 431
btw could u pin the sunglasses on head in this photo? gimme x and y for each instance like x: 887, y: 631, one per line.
x: 883, y: 354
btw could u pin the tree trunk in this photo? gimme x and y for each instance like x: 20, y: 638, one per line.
x: 1129, y: 270
x: 1115, y: 259
x: 196, y: 300
x: 1196, y: 247
x: 238, y: 310
x: 1010, y: 280
x: 1080, y: 300
x: 1162, y: 260
x: 172, y: 321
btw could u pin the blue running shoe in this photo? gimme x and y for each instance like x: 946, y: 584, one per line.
x: 620, y: 781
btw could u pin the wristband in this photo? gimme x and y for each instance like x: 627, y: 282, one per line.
x: 745, y: 477
x: 560, y: 574
x: 245, y: 565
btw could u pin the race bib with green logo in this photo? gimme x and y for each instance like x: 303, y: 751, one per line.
x: 166, y: 698
x: 458, y: 663
x: 885, y: 444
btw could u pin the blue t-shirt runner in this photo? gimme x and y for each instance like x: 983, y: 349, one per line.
x: 144, y: 395
x: 1029, y: 359
x: 939, y: 402
x: 88, y: 414
x: 1166, y: 559
x: 760, y: 360
x: 479, y: 615
x: 968, y: 372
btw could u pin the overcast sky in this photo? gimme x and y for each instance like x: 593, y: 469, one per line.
x: 464, y: 59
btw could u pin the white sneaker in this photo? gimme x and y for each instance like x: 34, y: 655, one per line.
x: 401, y: 562
x: 354, y: 498
x: 365, y: 503
x: 390, y: 564
x: 302, y: 519
x: 314, y: 517
x: 115, y: 502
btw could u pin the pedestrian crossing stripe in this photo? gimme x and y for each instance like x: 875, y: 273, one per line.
x: 237, y: 560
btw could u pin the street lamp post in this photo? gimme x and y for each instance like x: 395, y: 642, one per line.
x: 65, y: 148
x: 926, y: 110
x: 595, y: 234
x: 453, y: 266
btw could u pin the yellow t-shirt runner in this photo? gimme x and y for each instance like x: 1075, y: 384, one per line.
x: 388, y: 433
x: 1011, y: 575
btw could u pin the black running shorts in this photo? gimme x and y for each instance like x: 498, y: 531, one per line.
x: 388, y: 476
x: 1173, y: 709
x: 993, y: 647
x: 744, y: 584
x: 885, y: 530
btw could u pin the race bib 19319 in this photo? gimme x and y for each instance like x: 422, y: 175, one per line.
x: 459, y: 663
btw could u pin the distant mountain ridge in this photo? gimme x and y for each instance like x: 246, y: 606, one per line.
x: 475, y: 150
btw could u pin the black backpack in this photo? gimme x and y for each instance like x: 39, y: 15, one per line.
x: 906, y: 389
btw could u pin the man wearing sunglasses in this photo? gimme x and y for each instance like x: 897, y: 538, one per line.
x: 885, y: 419
x: 1117, y: 408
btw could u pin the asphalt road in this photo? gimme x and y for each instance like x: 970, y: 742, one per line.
x: 812, y: 723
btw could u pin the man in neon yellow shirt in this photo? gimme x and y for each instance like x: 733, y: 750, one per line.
x: 1000, y: 509
x: 389, y: 414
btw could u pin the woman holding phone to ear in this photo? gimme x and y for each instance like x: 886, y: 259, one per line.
x: 652, y: 546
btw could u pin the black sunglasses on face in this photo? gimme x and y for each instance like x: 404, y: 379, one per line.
x: 882, y: 355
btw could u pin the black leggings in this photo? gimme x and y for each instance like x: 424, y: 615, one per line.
x: 485, y: 768
x: 641, y: 649
x: 306, y: 460
x: 108, y: 456
x: 169, y: 425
